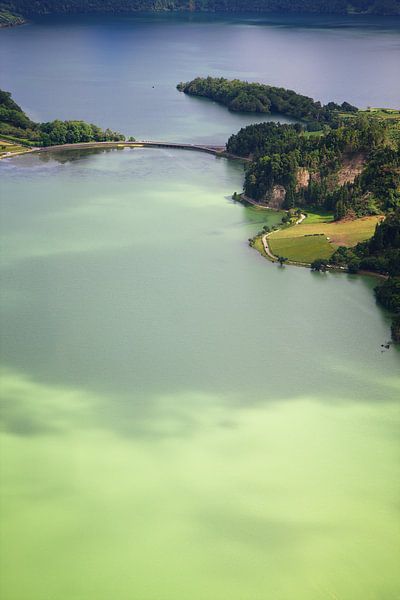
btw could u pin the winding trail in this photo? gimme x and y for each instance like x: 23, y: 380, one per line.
x: 266, y: 245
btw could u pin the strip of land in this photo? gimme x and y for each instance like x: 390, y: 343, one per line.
x: 8, y: 149
x: 265, y: 240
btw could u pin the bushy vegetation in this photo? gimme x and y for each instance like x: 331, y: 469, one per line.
x: 241, y: 96
x: 264, y: 139
x: 376, y: 189
x: 281, y: 152
x: 15, y: 125
x: 40, y: 7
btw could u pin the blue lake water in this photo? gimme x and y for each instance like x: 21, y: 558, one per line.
x: 122, y: 72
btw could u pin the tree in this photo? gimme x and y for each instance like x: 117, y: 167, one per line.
x: 319, y: 264
x: 354, y: 266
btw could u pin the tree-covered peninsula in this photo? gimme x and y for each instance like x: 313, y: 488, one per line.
x: 43, y: 7
x: 242, y: 96
x: 17, y: 127
x: 346, y: 166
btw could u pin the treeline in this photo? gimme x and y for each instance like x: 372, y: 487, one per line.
x: 16, y: 125
x: 380, y: 254
x: 241, y: 96
x: 281, y: 153
x: 40, y: 7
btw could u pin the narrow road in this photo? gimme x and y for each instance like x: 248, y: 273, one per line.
x: 209, y: 149
x: 265, y: 244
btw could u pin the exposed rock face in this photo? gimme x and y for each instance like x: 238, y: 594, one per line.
x: 316, y: 177
x: 352, y: 166
x: 276, y: 197
x: 303, y: 178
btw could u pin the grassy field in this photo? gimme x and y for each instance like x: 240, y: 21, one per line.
x: 320, y: 216
x: 302, y: 249
x: 319, y: 236
x: 6, y: 147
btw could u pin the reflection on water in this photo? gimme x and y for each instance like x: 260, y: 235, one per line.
x: 182, y: 419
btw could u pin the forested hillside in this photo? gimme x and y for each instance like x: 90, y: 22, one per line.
x: 15, y: 125
x: 40, y: 7
x: 352, y: 170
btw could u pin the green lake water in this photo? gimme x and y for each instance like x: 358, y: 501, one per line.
x: 181, y: 418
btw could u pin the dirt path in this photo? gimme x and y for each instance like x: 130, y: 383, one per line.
x: 265, y: 244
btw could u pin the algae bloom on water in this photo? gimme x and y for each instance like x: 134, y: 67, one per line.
x: 176, y: 444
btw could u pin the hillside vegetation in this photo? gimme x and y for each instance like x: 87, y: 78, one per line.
x: 352, y: 169
x: 16, y: 126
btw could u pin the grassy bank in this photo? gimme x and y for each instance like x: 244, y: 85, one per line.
x: 318, y: 236
x: 7, y: 147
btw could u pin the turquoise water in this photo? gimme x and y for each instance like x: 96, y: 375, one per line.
x: 181, y: 418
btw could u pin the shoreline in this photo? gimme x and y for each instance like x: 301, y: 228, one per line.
x: 218, y: 151
x: 208, y: 149
x: 269, y: 255
x: 267, y: 247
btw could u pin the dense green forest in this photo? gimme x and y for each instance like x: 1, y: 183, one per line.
x: 241, y: 96
x: 15, y: 125
x: 31, y: 8
x: 312, y: 168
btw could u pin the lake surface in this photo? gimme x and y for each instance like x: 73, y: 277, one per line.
x: 181, y: 418
x: 184, y: 419
x: 122, y: 72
